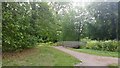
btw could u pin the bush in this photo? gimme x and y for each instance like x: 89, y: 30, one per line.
x: 23, y: 25
x: 16, y: 28
x: 103, y: 45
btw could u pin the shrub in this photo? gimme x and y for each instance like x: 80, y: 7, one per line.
x: 109, y: 45
x: 23, y: 25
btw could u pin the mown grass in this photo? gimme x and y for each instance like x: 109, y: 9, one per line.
x: 97, y: 52
x: 113, y: 66
x: 42, y: 56
x: 0, y: 61
x: 0, y: 56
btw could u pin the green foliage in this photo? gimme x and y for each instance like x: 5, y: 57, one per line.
x: 113, y: 66
x: 25, y: 24
x: 69, y: 33
x: 16, y: 27
x: 103, y: 45
x: 118, y: 23
x: 106, y: 18
x: 98, y: 21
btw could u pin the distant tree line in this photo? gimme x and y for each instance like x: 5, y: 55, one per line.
x: 97, y: 21
x: 24, y: 24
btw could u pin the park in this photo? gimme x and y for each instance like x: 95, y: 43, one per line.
x: 60, y: 34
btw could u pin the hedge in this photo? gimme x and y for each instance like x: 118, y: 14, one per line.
x: 109, y: 45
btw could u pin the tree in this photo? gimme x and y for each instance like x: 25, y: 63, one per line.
x: 118, y: 24
x: 26, y: 24
x: 105, y: 23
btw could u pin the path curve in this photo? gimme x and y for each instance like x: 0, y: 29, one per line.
x: 88, y: 59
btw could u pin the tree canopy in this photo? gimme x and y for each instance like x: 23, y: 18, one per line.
x: 24, y: 24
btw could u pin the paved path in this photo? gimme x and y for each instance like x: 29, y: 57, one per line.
x: 88, y: 59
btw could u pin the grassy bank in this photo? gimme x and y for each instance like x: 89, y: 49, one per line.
x: 39, y: 56
x: 97, y: 52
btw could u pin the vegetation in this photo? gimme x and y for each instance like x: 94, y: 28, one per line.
x: 98, y: 52
x: 91, y: 21
x: 101, y: 48
x: 40, y: 56
x: 27, y: 24
x: 113, y: 66
x: 24, y: 24
x: 102, y: 45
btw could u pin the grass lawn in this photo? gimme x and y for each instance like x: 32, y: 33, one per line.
x: 97, y: 52
x: 113, y: 66
x: 39, y: 56
x: 0, y: 56
x: 0, y: 61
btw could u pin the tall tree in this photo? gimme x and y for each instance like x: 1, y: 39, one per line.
x: 24, y: 24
